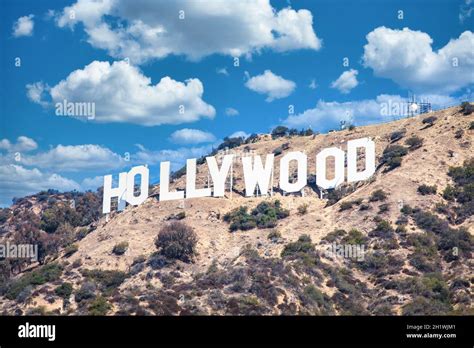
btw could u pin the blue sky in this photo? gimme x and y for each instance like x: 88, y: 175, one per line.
x: 290, y: 53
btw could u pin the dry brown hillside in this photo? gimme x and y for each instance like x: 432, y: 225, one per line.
x: 408, y: 267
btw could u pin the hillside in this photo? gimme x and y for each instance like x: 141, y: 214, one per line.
x: 418, y: 241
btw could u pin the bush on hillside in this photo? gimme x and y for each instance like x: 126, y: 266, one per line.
x: 264, y: 215
x: 414, y: 143
x: 302, y: 245
x: 120, y: 248
x: 279, y: 132
x: 427, y: 190
x: 397, y: 135
x: 378, y: 195
x: 392, y: 156
x: 429, y: 121
x: 177, y: 241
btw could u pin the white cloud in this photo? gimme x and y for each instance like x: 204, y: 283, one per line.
x: 23, y: 144
x: 239, y: 134
x: 312, y: 84
x: 346, y: 82
x: 407, y: 57
x: 92, y: 183
x: 23, y: 26
x: 38, y: 93
x: 231, y: 112
x: 73, y: 158
x: 274, y: 86
x: 177, y: 157
x: 222, y: 71
x: 36, y: 172
x: 191, y: 136
x: 384, y: 108
x: 466, y: 10
x: 18, y: 181
x: 143, y: 30
x: 121, y: 93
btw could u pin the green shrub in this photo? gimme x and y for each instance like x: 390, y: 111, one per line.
x: 422, y: 263
x: 423, y: 306
x: 471, y: 125
x: 427, y: 190
x: 5, y: 214
x: 264, y: 215
x: 448, y: 238
x: 414, y: 143
x: 380, y: 264
x: 383, y: 230
x: 240, y: 219
x: 85, y: 292
x: 429, y: 121
x: 383, y: 208
x: 302, y: 245
x: 378, y: 195
x: 120, y: 248
x: 279, y: 132
x: 467, y: 108
x: 406, y: 209
x: 334, y: 235
x: 397, y: 135
x: 392, y: 156
x: 70, y: 249
x: 345, y: 205
x: 278, y: 151
x: 303, y: 209
x: 58, y: 215
x: 42, y: 275
x: 177, y: 241
x: 335, y: 195
x: 99, y: 306
x: 354, y: 237
x: 64, y: 290
x: 292, y: 132
x: 82, y: 233
x: 108, y: 280
x: 462, y: 193
x: 274, y: 235
x: 314, y: 295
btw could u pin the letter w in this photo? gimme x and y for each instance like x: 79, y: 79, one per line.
x: 257, y: 174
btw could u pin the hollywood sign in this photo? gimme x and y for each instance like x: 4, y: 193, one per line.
x: 256, y: 175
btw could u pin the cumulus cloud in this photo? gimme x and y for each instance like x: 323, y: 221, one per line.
x: 191, y: 136
x: 346, y: 82
x: 177, y: 157
x: 231, y: 112
x: 407, y: 57
x: 384, y: 108
x: 43, y: 170
x: 23, y: 26
x: 92, y: 183
x: 274, y: 86
x: 74, y: 158
x: 121, y: 93
x: 23, y: 144
x: 312, y: 84
x: 143, y: 30
x: 18, y: 181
